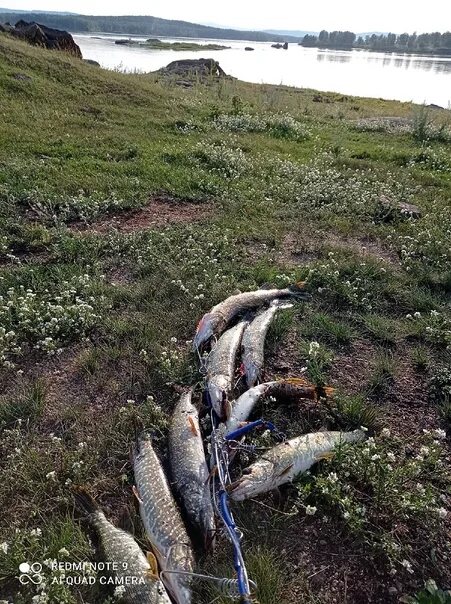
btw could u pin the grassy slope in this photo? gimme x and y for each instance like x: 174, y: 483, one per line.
x: 78, y: 145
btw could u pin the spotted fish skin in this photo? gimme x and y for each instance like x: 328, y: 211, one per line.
x: 121, y: 549
x: 253, y: 343
x: 162, y: 521
x: 292, y: 388
x: 221, y: 367
x: 284, y: 462
x: 216, y: 320
x: 189, y: 466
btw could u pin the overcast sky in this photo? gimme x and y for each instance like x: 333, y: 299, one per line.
x: 356, y: 15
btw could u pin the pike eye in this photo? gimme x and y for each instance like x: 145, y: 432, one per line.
x: 247, y: 471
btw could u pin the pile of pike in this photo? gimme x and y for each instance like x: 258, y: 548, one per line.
x: 231, y: 335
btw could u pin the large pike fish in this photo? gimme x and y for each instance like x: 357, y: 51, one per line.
x: 189, y: 466
x: 221, y: 367
x: 132, y: 568
x: 284, y: 462
x: 253, y: 343
x: 291, y: 389
x: 216, y: 321
x: 162, y: 521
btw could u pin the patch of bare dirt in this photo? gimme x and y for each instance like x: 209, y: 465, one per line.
x: 161, y: 210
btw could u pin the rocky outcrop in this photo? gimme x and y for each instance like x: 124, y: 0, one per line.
x: 390, y: 210
x: 6, y: 28
x: 249, y: 48
x: 194, y: 67
x: 278, y: 45
x: 40, y: 35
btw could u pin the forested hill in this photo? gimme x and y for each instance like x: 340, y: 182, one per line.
x: 141, y: 25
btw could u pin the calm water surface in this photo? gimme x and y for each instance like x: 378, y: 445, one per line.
x: 421, y: 79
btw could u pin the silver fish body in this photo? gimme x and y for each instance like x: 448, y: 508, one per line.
x: 221, y: 367
x: 291, y: 388
x: 133, y: 571
x: 284, y: 462
x: 189, y: 466
x: 243, y: 406
x: 216, y: 320
x: 162, y: 521
x: 253, y: 343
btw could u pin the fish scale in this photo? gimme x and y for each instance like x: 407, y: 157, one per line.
x: 284, y: 462
x: 162, y: 521
x: 189, y: 466
x: 121, y: 549
x: 253, y: 343
x: 221, y: 367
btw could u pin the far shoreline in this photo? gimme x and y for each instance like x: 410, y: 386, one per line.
x: 426, y: 53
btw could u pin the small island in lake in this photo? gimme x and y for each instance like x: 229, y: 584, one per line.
x: 156, y: 44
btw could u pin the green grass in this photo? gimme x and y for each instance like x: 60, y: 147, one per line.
x: 27, y: 405
x: 382, y: 375
x: 96, y: 323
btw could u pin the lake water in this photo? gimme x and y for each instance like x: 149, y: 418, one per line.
x: 421, y: 79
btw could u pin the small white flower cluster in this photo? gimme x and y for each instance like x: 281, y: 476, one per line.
x: 281, y: 125
x: 425, y: 243
x: 74, y: 207
x: 313, y: 349
x: 320, y: 187
x: 431, y: 158
x: 377, y: 479
x: 47, y: 319
x: 434, y: 326
x: 383, y: 124
x: 222, y: 159
x: 355, y: 287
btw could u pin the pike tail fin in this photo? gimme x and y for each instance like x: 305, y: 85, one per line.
x: 85, y: 502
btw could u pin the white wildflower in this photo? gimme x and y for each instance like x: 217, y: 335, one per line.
x: 51, y: 475
x: 313, y: 349
x: 407, y: 566
x: 442, y: 512
x: 4, y: 547
x: 385, y: 433
x: 310, y: 510
x: 36, y: 532
x: 63, y: 552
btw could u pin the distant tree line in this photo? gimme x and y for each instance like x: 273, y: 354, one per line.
x: 433, y: 42
x: 333, y: 39
x: 139, y: 25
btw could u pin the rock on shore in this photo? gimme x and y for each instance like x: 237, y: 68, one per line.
x: 40, y: 35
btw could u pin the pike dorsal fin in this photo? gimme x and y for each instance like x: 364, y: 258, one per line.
x: 327, y: 455
x: 297, y: 381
